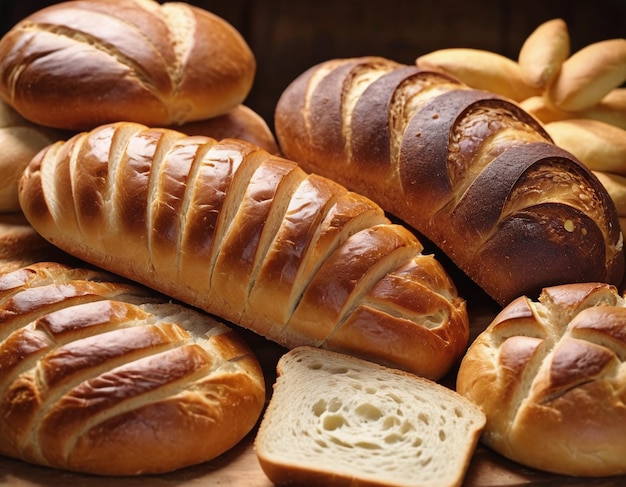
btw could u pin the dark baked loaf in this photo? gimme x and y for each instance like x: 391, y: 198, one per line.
x: 78, y: 64
x: 248, y: 236
x: 468, y: 169
x: 101, y: 376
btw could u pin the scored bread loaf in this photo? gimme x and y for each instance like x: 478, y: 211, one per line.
x: 336, y: 420
x: 549, y: 376
x: 468, y: 169
x: 78, y: 64
x: 101, y: 376
x: 248, y: 236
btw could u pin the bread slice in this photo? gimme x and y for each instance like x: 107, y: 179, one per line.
x: 338, y: 420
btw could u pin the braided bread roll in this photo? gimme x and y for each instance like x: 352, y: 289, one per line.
x: 468, y: 169
x: 78, y: 64
x: 98, y: 375
x: 248, y: 236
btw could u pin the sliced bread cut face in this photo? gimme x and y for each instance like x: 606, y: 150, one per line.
x: 337, y: 420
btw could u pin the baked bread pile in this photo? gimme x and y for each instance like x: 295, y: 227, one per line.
x: 467, y: 168
x: 101, y: 376
x: 579, y: 97
x: 250, y: 237
x: 550, y: 377
x: 338, y: 420
x: 76, y: 65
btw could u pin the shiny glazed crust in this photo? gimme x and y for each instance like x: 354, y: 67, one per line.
x: 549, y: 375
x: 104, y: 377
x: 250, y: 237
x: 78, y: 64
x: 468, y: 169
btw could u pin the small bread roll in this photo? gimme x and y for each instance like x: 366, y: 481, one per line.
x: 589, y: 75
x: 600, y: 146
x: 543, y: 53
x: 616, y: 187
x: 483, y: 70
x: 549, y: 376
x: 20, y: 140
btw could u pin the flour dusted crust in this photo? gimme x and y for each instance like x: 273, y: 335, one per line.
x: 549, y: 376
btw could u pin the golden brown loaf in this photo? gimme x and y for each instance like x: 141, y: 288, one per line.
x: 248, y: 236
x: 549, y: 376
x: 104, y: 377
x: 21, y: 245
x: 82, y: 63
x: 468, y: 169
x: 240, y: 123
x: 20, y: 140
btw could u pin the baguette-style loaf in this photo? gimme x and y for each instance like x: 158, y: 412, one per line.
x: 549, y: 376
x: 101, y: 376
x: 78, y: 64
x: 248, y: 236
x: 334, y: 420
x: 468, y: 169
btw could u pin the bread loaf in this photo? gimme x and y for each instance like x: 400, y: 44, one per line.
x: 542, y: 54
x: 482, y: 70
x: 78, y: 64
x: 21, y: 245
x: 549, y: 376
x: 105, y: 377
x: 589, y: 75
x: 240, y: 123
x: 468, y: 169
x: 20, y: 141
x: 248, y: 236
x: 599, y: 145
x: 335, y: 420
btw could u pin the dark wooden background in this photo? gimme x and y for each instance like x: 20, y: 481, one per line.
x: 289, y: 36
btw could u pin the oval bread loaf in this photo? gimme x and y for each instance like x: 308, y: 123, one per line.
x: 468, y: 169
x: 549, y: 376
x: 20, y: 141
x: 105, y: 377
x: 248, y: 236
x: 78, y: 64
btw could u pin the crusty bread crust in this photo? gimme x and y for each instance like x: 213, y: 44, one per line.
x: 548, y: 375
x: 78, y: 64
x: 468, y: 169
x: 105, y: 377
x: 248, y: 236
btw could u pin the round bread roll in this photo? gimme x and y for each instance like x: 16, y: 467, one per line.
x: 101, y: 376
x: 543, y: 53
x: 80, y: 64
x: 20, y: 140
x: 550, y: 378
x: 241, y: 123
